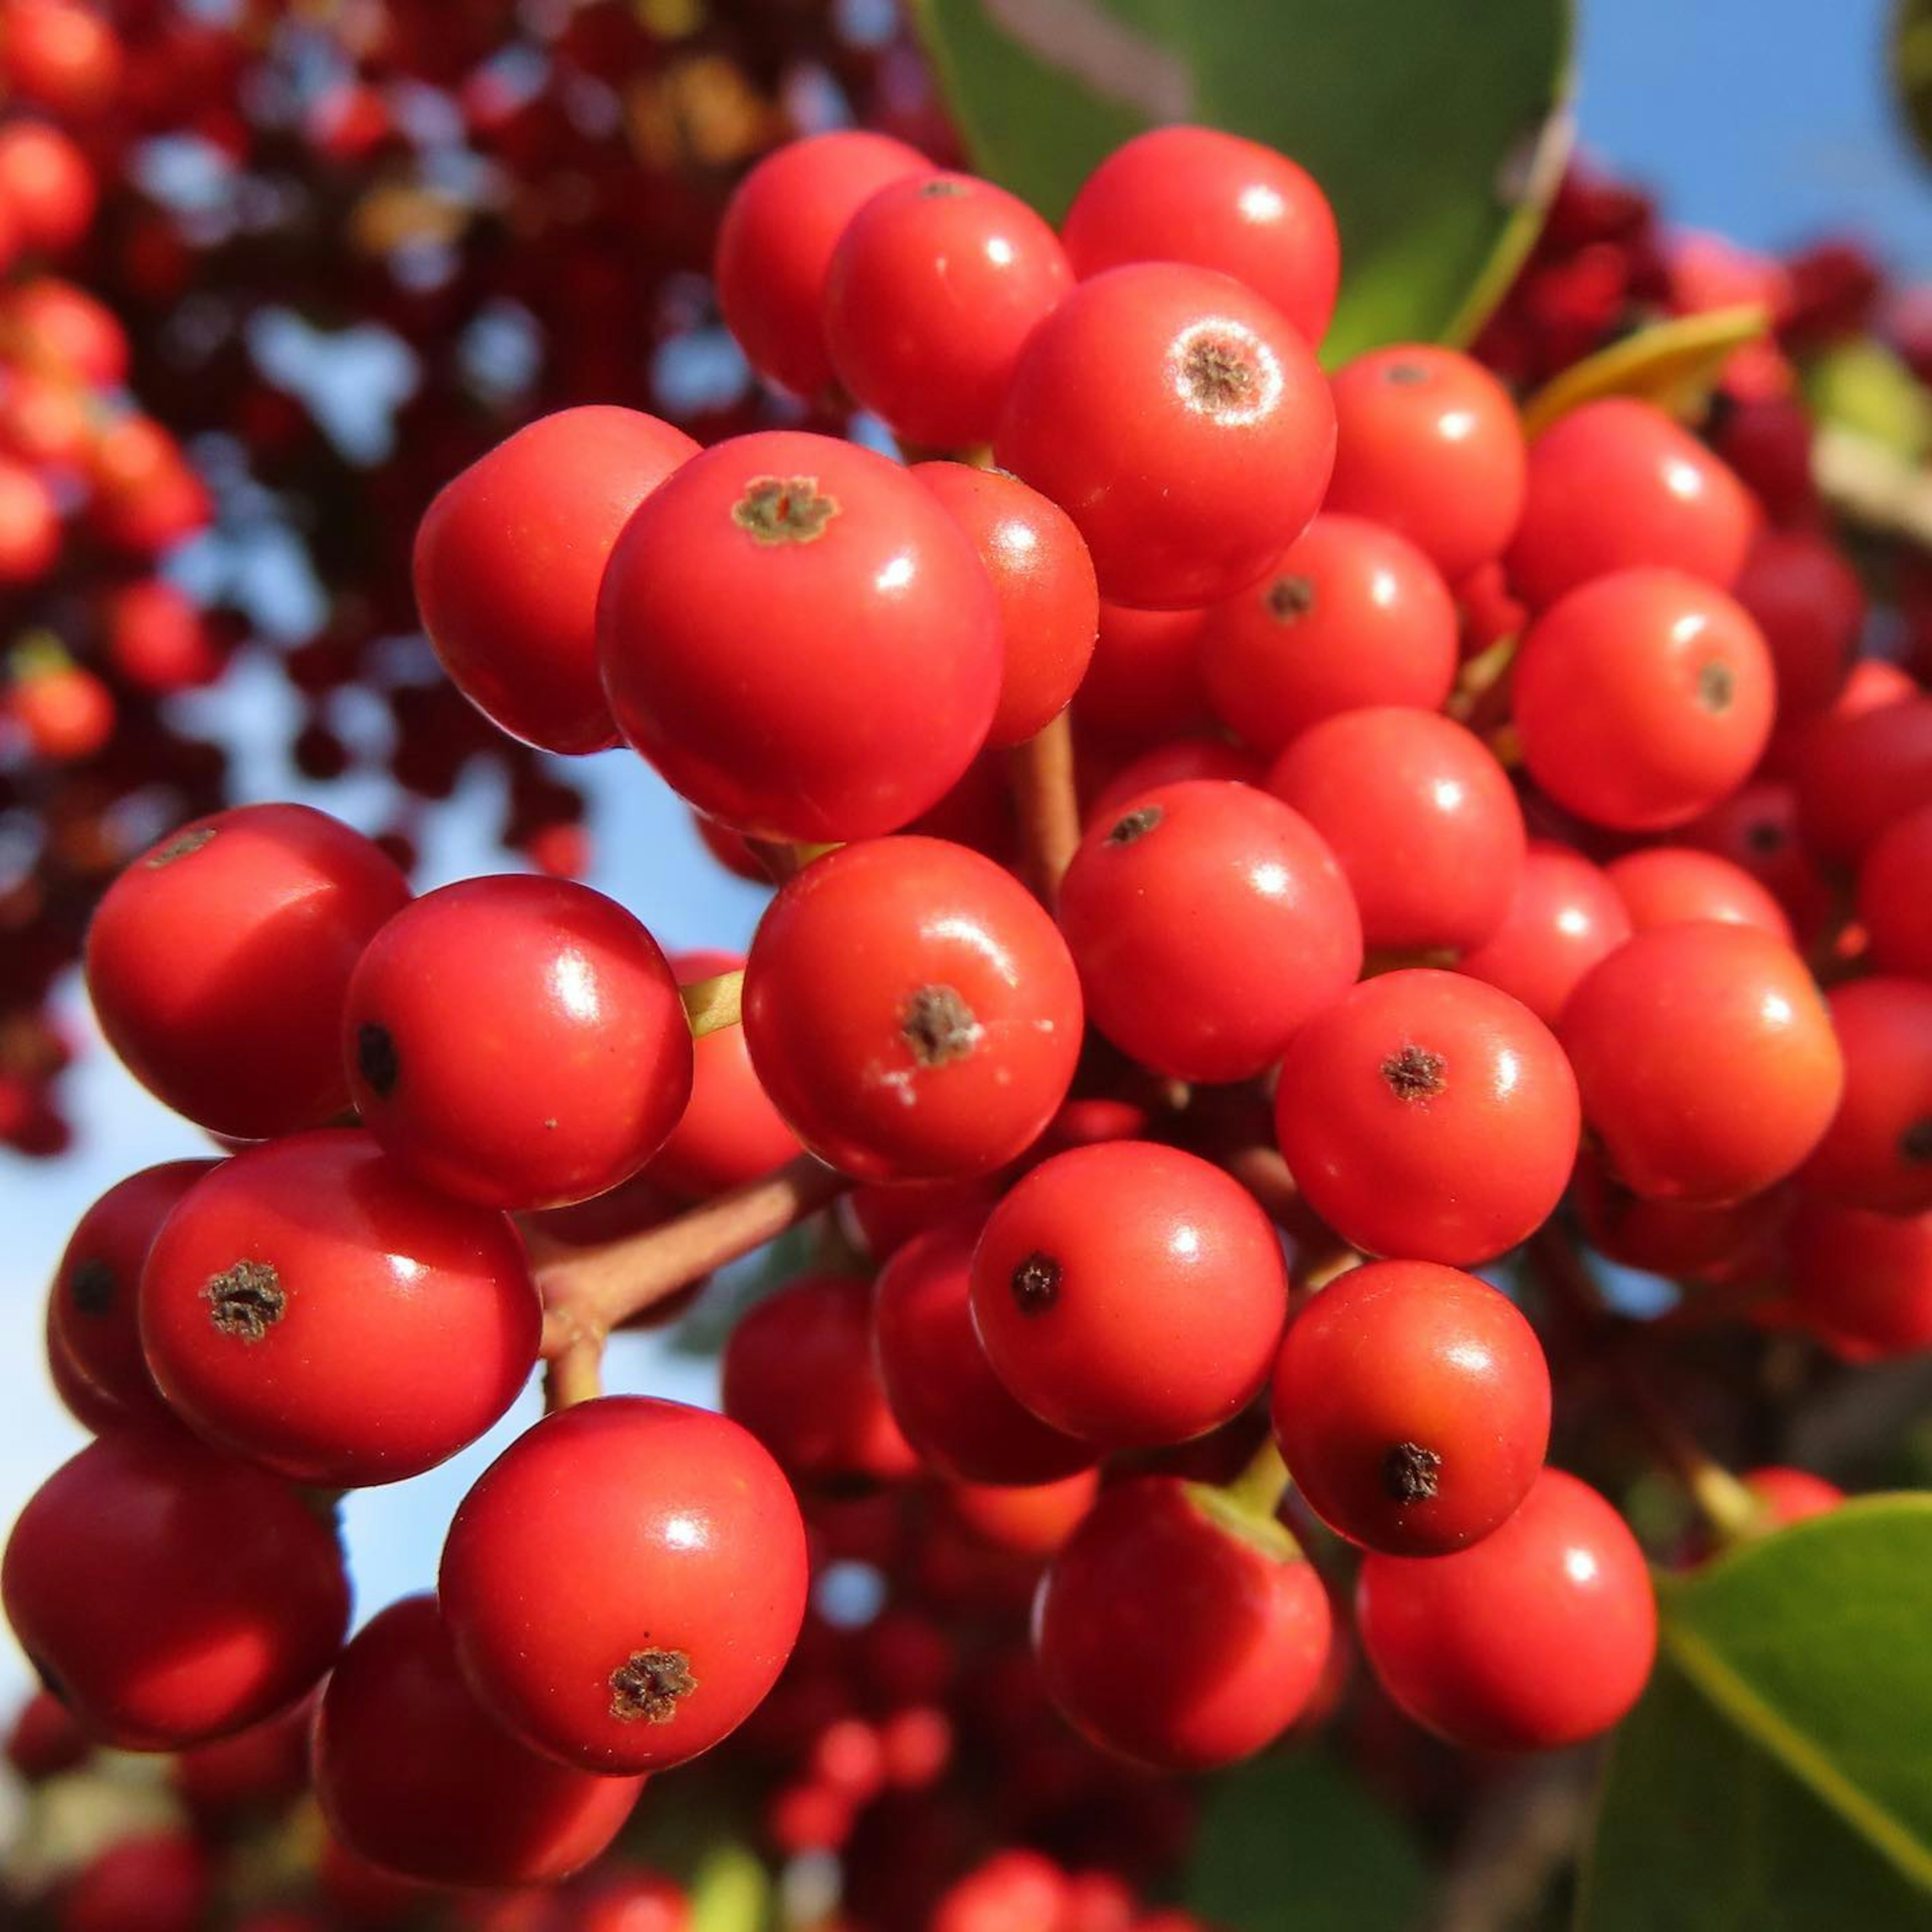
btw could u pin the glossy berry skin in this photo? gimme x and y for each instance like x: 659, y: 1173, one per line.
x: 1174, y: 1631
x: 625, y: 1582
x: 509, y: 558
x: 1428, y: 446
x: 933, y: 288
x: 1428, y: 1116
x: 955, y: 1412
x: 911, y: 1011
x: 1049, y: 603
x: 1862, y: 1283
x: 1894, y: 906
x: 291, y: 1300
x: 1665, y: 885
x: 1422, y: 817
x: 1756, y: 828
x: 517, y: 1041
x: 1029, y: 1519
x: 217, y: 962
x: 1411, y: 1403
x: 1182, y: 425
x: 414, y: 1776
x: 1176, y: 762
x: 772, y: 578
x: 1877, y: 1152
x: 93, y: 1308
x: 775, y: 245
x: 1563, y: 917
x: 1858, y: 774
x: 173, y: 1594
x: 1540, y: 1636
x: 799, y: 1373
x: 1208, y: 921
x: 1351, y: 615
x: 1641, y: 699
x: 1808, y: 601
x: 1129, y: 1294
x: 1670, y: 1237
x: 1197, y: 195
x: 1616, y: 485
x: 1145, y: 682
x: 1706, y: 1061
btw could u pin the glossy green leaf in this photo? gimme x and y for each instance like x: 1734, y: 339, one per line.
x: 1777, y: 1776
x: 1675, y: 364
x: 1437, y: 131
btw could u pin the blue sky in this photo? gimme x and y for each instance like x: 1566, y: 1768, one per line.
x: 1765, y: 119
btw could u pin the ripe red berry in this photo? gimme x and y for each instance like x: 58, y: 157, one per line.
x: 1616, y: 485
x: 291, y: 1300
x: 508, y: 559
x: 1642, y: 698
x: 754, y: 596
x: 1893, y: 905
x: 1423, y: 820
x: 1129, y: 1294
x: 1209, y: 922
x: 1705, y: 1059
x: 47, y: 185
x: 1861, y: 1282
x: 1411, y: 1403
x: 955, y: 1412
x: 1756, y: 829
x: 170, y: 1594
x: 1178, y: 1632
x: 151, y: 1881
x: 1858, y: 772
x: 1197, y: 195
x: 933, y: 288
x: 1049, y: 605
x: 911, y: 1011
x: 1540, y: 1636
x: 1176, y: 762
x: 1028, y: 1520
x: 1428, y: 446
x: 1351, y: 615
x: 1145, y: 682
x: 30, y: 525
x: 632, y: 1899
x: 775, y: 244
x: 1182, y: 425
x: 45, y: 1740
x: 1674, y: 1238
x: 625, y: 1582
x: 1011, y: 1892
x: 1428, y: 1116
x: 414, y: 1775
x: 517, y: 1041
x: 1877, y: 1152
x: 1808, y: 602
x: 217, y: 962
x: 1665, y: 885
x: 1564, y: 915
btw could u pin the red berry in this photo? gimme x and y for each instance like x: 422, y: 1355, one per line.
x: 1665, y: 885
x: 1197, y: 195
x: 292, y: 1300
x: 1792, y: 1495
x: 753, y: 599
x: 1705, y: 1059
x: 30, y: 525
x: 1616, y: 485
x: 1893, y: 905
x: 1540, y: 1636
x: 625, y: 1582
x: 631, y: 1900
x: 45, y: 1740
x: 1756, y: 829
x: 218, y: 961
x: 509, y: 557
x: 1182, y: 425
x: 1429, y: 447
x: 1877, y: 1152
x: 1668, y: 1237
x: 1145, y: 682
x: 1861, y: 1282
x: 65, y: 713
x: 1209, y: 922
x: 1028, y: 1520
x: 1858, y: 772
x: 1411, y: 1403
x: 1176, y: 762
x: 154, y: 1881
x: 1011, y: 1892
x: 1129, y: 1294
x: 1808, y: 601
x: 1564, y: 915
x: 1178, y: 1632
x: 1429, y: 1116
x: 172, y: 1595
x: 414, y: 1774
x: 47, y: 185
x: 1641, y: 699
x: 159, y: 639
x: 911, y: 1011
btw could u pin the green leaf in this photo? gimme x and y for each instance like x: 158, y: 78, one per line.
x: 730, y: 1891
x: 1291, y: 1840
x: 1862, y: 387
x: 1675, y: 364
x: 1777, y: 1776
x: 1912, y: 68
x: 1438, y: 132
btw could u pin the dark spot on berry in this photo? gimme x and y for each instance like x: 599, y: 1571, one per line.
x: 783, y: 509
x: 1413, y: 1073
x: 377, y: 1060
x: 1218, y: 373
x: 939, y: 1026
x: 650, y: 1684
x: 941, y: 187
x: 1288, y: 597
x: 1916, y: 1143
x: 182, y: 846
x: 1412, y: 1474
x: 1765, y: 836
x: 1717, y: 685
x: 1134, y: 825
x: 90, y: 1286
x: 1405, y: 375
x: 246, y: 1300
x: 1035, y: 1284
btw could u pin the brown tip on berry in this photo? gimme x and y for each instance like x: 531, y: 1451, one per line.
x: 1916, y: 1143
x: 940, y: 187
x: 90, y: 1286
x: 1217, y: 372
x: 246, y: 1300
x: 1717, y: 685
x: 1405, y: 375
x: 1134, y: 825
x: 377, y: 1060
x: 939, y: 1026
x: 1765, y: 836
x: 650, y: 1684
x: 1035, y: 1284
x: 1412, y: 1474
x: 1288, y: 597
x: 180, y: 846
x: 783, y: 509
x: 1414, y: 1073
